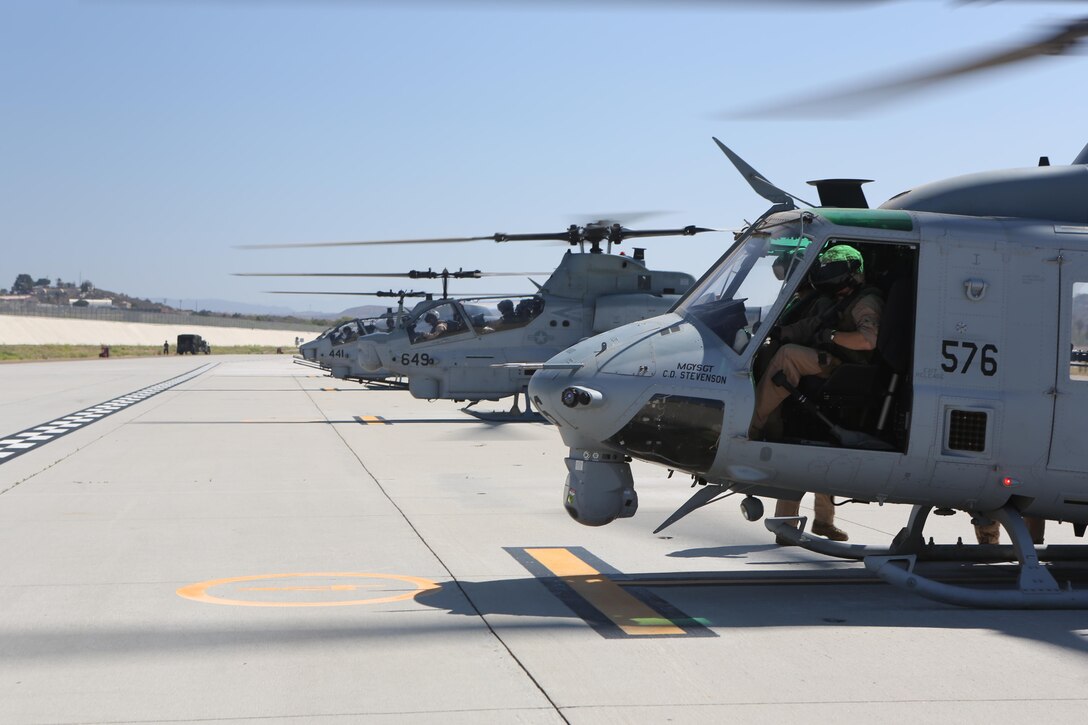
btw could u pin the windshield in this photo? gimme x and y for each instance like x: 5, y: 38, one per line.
x: 435, y: 321
x: 493, y: 315
x: 353, y: 330
x: 741, y: 289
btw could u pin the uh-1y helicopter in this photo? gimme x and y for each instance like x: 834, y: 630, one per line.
x: 487, y: 348
x: 975, y: 399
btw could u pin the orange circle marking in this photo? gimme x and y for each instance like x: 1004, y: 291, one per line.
x: 199, y: 592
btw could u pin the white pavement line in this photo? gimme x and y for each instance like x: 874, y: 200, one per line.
x: 47, y: 432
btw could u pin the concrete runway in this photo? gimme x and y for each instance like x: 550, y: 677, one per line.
x: 251, y: 543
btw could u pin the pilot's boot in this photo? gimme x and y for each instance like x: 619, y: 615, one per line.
x: 1037, y: 529
x: 988, y: 533
x: 829, y: 531
x: 824, y: 522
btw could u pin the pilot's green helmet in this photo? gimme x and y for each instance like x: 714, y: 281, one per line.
x: 836, y: 266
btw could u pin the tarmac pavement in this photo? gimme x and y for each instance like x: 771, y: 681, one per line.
x: 261, y: 544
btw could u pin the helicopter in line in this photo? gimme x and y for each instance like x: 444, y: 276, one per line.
x: 975, y: 399
x: 328, y: 350
x: 487, y: 348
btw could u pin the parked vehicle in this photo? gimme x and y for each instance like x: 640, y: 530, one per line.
x: 193, y: 344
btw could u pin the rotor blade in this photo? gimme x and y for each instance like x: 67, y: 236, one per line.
x: 563, y: 236
x: 496, y: 296
x: 758, y: 181
x: 459, y: 274
x: 544, y: 237
x: 322, y: 274
x: 1057, y: 42
x: 304, y: 245
x: 687, y: 231
x: 406, y: 295
x: 573, y: 234
x: 354, y: 294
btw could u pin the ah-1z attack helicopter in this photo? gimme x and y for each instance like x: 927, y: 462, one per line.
x: 975, y: 400
x: 487, y: 348
x: 330, y: 351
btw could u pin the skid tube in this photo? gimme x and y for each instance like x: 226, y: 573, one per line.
x: 1036, y: 586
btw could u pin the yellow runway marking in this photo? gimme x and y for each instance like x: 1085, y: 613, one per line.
x: 330, y: 588
x: 628, y: 613
x: 199, y: 592
x: 372, y: 419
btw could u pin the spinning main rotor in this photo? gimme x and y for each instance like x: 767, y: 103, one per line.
x: 593, y: 233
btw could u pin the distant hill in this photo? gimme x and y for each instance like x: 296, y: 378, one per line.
x: 366, y: 311
x: 65, y: 293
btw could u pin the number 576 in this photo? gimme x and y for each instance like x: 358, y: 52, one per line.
x: 953, y: 362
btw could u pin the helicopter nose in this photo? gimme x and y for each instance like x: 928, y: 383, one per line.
x: 562, y: 395
x: 589, y: 386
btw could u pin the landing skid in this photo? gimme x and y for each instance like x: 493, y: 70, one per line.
x: 506, y: 416
x: 514, y: 415
x: 384, y: 384
x: 895, y: 564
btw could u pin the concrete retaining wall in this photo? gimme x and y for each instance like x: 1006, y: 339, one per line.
x: 50, y: 331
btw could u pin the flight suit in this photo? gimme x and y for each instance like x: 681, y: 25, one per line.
x: 861, y: 314
x: 991, y: 533
x: 798, y: 360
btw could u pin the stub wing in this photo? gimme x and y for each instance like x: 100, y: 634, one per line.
x: 539, y: 366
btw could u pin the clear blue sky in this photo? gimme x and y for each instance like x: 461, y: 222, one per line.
x: 141, y: 141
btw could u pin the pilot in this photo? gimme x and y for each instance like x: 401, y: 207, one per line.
x: 808, y: 301
x: 840, y: 324
x: 438, y: 327
x: 506, y: 313
x: 822, y: 340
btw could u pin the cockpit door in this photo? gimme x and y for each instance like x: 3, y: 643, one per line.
x: 1067, y: 443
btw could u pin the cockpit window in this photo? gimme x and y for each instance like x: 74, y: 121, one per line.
x: 353, y: 330
x: 345, y: 333
x: 489, y: 316
x: 738, y: 293
x: 442, y: 320
x: 1078, y: 353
